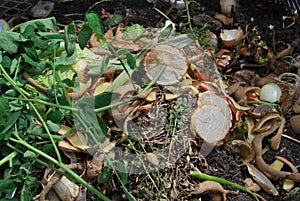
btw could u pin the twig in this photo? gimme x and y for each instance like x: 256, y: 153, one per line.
x: 291, y: 138
x: 165, y: 15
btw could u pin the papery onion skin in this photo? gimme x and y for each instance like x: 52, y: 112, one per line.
x: 270, y: 92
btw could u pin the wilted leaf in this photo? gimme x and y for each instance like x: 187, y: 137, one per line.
x: 70, y: 39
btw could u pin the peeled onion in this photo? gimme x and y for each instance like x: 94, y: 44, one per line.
x: 270, y: 92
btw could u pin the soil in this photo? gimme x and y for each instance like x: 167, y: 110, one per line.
x: 225, y: 161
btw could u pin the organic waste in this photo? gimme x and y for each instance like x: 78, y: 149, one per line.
x: 189, y: 109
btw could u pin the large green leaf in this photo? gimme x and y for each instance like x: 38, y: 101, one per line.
x: 41, y: 24
x: 84, y: 35
x: 9, y: 41
x: 70, y: 39
x: 94, y: 22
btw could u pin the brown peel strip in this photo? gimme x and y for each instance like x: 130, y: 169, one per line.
x: 291, y: 165
x: 259, y: 125
x: 218, y: 192
x: 275, y: 140
x: 262, y: 165
x: 73, y: 95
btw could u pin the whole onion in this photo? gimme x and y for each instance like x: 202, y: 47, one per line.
x: 270, y: 92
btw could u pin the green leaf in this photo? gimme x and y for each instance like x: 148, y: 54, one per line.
x: 52, y: 126
x: 94, y: 22
x: 31, y: 51
x: 5, y: 126
x: 65, y: 60
x: 9, y: 41
x: 104, y: 99
x: 133, y: 31
x: 8, y: 185
x: 29, y: 154
x: 39, y: 43
x: 166, y: 32
x: 84, y: 36
x: 96, y: 130
x: 41, y: 24
x: 47, y: 148
x: 28, y: 31
x: 4, y: 114
x: 131, y: 60
x: 29, y: 60
x: 29, y: 188
x: 70, y: 39
x: 113, y: 20
x: 122, y: 171
x: 37, y: 130
x: 104, y: 176
x: 55, y: 116
x: 51, y: 35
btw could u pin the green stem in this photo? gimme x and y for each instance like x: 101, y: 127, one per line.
x: 122, y: 63
x: 203, y: 176
x: 8, y: 158
x: 161, y: 70
x: 14, y: 84
x: 44, y: 103
x: 101, y: 109
x: 62, y: 165
x: 266, y: 103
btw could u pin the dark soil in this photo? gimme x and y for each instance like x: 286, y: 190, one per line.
x: 225, y: 161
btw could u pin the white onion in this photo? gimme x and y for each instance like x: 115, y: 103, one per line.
x: 270, y: 92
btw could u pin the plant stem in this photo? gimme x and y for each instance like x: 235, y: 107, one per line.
x: 8, y: 158
x: 203, y: 176
x: 122, y: 63
x: 101, y: 109
x: 14, y: 84
x: 276, y: 106
x: 44, y: 103
x: 60, y: 164
x: 188, y: 15
x: 161, y: 70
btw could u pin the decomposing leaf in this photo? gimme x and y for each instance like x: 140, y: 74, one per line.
x: 246, y: 150
x: 163, y: 54
x: 75, y: 141
x: 66, y: 190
